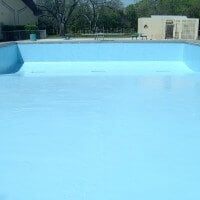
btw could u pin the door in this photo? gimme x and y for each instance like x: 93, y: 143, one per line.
x: 169, y: 30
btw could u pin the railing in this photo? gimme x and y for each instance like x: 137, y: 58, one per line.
x: 21, y: 35
x: 103, y: 35
x: 109, y: 31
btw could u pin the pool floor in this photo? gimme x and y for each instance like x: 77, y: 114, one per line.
x: 100, y: 137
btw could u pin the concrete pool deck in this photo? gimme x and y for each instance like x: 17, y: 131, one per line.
x: 92, y: 40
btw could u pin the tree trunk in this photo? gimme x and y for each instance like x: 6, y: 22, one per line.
x: 62, y: 29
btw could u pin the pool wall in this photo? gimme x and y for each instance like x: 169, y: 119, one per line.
x: 13, y: 56
x: 10, y: 59
x: 102, y: 52
x: 191, y: 56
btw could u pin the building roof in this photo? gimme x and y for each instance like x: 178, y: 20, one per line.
x: 31, y: 4
x: 168, y: 16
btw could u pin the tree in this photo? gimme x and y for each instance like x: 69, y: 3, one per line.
x: 98, y: 15
x: 59, y: 11
x: 112, y: 15
x: 132, y: 16
x: 90, y: 11
x: 109, y: 14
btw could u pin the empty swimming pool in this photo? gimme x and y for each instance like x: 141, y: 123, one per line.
x: 100, y: 121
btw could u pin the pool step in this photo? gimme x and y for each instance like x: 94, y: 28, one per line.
x: 103, y: 68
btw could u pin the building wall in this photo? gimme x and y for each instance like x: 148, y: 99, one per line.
x: 190, y: 28
x: 15, y: 12
x: 154, y: 27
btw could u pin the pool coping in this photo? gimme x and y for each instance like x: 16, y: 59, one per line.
x: 4, y: 44
x: 63, y: 41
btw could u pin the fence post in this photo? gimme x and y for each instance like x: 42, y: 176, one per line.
x: 19, y: 36
x: 1, y: 35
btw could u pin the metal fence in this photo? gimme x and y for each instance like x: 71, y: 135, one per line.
x: 1, y: 36
x: 108, y: 31
x: 21, y: 35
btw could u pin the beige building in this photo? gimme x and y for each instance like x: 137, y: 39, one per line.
x: 169, y: 27
x: 18, y: 12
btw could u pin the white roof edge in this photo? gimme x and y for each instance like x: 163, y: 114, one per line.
x: 144, y: 18
x: 169, y: 16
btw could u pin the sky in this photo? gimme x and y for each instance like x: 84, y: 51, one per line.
x: 127, y: 2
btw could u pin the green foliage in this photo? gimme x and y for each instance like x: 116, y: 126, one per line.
x: 31, y: 28
x: 146, y: 8
x: 132, y: 16
x: 111, y: 15
x: 190, y: 8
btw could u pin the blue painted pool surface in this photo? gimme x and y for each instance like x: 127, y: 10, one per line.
x: 100, y: 121
x: 10, y: 59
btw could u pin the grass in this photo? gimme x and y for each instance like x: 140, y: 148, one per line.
x: 54, y: 37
